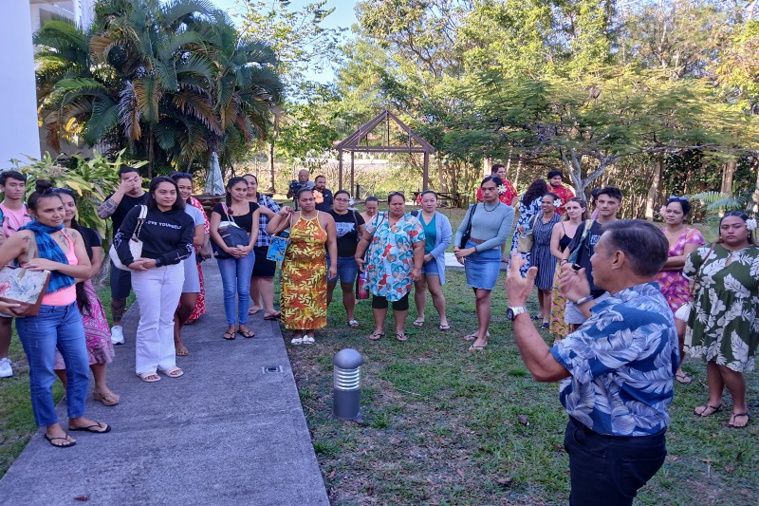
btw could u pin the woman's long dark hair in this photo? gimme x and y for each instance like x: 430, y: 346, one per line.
x: 742, y: 216
x: 537, y: 189
x: 151, y: 203
x: 230, y: 184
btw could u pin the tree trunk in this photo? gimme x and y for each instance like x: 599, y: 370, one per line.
x: 271, y: 167
x: 519, y: 168
x: 151, y: 152
x: 441, y: 182
x: 727, y: 177
x: 654, y: 190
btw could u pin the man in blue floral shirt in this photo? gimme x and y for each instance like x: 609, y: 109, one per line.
x: 617, y: 369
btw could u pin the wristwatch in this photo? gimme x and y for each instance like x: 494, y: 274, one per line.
x: 512, y: 312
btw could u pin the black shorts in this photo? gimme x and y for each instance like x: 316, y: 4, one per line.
x: 263, y: 268
x: 398, y: 305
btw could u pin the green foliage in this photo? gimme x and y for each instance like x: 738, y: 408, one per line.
x: 91, y: 179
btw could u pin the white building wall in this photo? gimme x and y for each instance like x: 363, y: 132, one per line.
x: 19, y: 134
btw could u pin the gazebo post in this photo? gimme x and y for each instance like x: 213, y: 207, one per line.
x: 340, y: 168
x: 426, y: 176
x: 353, y: 188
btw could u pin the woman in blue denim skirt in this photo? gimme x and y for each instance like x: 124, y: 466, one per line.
x: 44, y: 244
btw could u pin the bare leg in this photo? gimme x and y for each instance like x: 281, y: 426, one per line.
x: 349, y: 299
x: 255, y: 296
x: 483, y: 316
x: 504, y: 255
x: 187, y: 305
x: 716, y: 385
x: 400, y: 321
x: 266, y: 289
x: 544, y: 297
x: 420, y: 298
x: 330, y: 290
x: 680, y: 375
x: 438, y: 299
x: 61, y: 373
x: 379, y: 320
x: 118, y: 307
x: 6, y: 326
x: 736, y: 385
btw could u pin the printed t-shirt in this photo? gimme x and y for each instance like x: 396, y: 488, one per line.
x: 347, y: 232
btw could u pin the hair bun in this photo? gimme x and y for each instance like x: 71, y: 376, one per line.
x: 43, y: 186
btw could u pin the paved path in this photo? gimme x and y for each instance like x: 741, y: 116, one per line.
x: 226, y: 433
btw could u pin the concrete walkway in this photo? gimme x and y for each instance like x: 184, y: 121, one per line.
x: 229, y: 432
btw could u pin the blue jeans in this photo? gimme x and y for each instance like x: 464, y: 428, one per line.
x: 347, y: 270
x: 235, y: 276
x: 609, y: 470
x: 61, y: 327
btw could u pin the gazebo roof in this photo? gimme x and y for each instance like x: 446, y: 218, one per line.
x: 352, y: 143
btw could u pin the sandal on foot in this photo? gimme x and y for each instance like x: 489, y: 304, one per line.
x: 253, y: 311
x: 376, y: 336
x: 401, y: 337
x: 68, y: 441
x: 273, y: 316
x: 477, y: 347
x: 702, y: 413
x: 545, y: 325
x: 109, y: 399
x: 246, y: 333
x: 229, y: 335
x: 308, y: 339
x: 418, y: 322
x: 296, y: 341
x: 149, y: 377
x: 174, y: 372
x: 683, y: 378
x: 445, y: 327
x: 536, y: 317
x: 736, y: 415
x: 95, y: 428
x: 473, y: 337
x: 352, y: 324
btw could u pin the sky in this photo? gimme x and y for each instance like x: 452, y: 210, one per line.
x: 343, y: 16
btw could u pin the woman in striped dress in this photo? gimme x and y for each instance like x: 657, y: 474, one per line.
x: 541, y: 256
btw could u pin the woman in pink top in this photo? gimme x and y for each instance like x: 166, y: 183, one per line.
x: 674, y: 286
x: 44, y: 244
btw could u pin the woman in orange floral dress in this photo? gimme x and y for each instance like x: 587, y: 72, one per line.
x: 304, y: 270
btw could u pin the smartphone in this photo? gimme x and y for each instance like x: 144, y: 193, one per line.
x: 576, y: 267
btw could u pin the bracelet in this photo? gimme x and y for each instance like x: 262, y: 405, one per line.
x: 582, y: 301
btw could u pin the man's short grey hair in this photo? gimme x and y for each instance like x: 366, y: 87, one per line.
x: 641, y: 242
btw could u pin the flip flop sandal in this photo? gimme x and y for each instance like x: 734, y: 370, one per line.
x: 736, y: 415
x: 182, y: 353
x: 95, y: 428
x: 445, y: 327
x: 230, y: 335
x: 247, y: 333
x: 174, y: 372
x: 296, y: 341
x: 252, y: 311
x: 401, y: 337
x: 418, y: 323
x: 716, y: 409
x: 473, y: 337
x: 477, y: 347
x: 308, y: 340
x: 376, y: 336
x: 352, y: 323
x: 68, y: 444
x: 273, y: 316
x: 683, y: 379
x: 149, y: 377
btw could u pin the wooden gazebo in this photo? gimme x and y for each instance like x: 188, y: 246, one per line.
x: 358, y: 141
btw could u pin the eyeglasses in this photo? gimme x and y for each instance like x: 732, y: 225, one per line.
x: 342, y: 200
x: 679, y: 199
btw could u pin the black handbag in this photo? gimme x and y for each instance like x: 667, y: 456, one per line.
x: 468, y: 232
x: 232, y: 235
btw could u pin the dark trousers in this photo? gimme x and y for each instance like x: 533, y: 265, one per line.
x: 609, y: 470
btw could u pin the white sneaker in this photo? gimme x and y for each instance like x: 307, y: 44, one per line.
x: 117, y: 335
x: 6, y: 371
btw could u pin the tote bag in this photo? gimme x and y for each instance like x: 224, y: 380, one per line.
x: 135, y: 244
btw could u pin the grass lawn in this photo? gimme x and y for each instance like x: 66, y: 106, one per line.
x: 444, y: 426
x: 16, y: 418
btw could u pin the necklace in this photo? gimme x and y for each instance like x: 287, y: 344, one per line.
x: 485, y: 207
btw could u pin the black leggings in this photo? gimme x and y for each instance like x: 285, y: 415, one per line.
x: 398, y: 305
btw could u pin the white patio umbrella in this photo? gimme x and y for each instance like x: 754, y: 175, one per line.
x: 214, y: 181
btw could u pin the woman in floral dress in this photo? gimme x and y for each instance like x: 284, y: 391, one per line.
x: 530, y: 205
x: 204, y: 253
x: 674, y: 286
x: 395, y: 242
x: 723, y: 326
x: 303, y: 301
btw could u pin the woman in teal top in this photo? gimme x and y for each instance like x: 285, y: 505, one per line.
x: 438, y: 235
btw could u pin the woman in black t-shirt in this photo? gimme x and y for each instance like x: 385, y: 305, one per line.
x: 350, y: 226
x: 237, y: 268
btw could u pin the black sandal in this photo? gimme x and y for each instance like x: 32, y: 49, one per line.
x: 247, y: 333
x: 229, y: 335
x: 716, y: 409
x: 736, y: 415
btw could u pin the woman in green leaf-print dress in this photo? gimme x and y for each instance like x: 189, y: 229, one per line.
x: 723, y: 326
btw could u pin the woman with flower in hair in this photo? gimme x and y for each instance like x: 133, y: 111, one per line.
x: 530, y: 207
x: 723, y: 327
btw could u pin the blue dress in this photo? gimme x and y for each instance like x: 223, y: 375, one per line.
x: 526, y: 213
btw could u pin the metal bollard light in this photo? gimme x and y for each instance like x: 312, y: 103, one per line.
x: 347, y: 385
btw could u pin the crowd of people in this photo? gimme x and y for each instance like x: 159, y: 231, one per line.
x: 624, y: 301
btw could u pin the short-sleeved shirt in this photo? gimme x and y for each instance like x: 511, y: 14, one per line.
x: 13, y: 220
x: 264, y: 238
x: 505, y: 194
x: 326, y: 204
x: 587, y: 249
x: 127, y: 204
x: 245, y: 221
x: 196, y: 215
x: 91, y: 239
x: 622, y: 362
x: 347, y: 232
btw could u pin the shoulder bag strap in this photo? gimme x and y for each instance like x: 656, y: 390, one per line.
x: 574, y: 254
x: 140, y: 221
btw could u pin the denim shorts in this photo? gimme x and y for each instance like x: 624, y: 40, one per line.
x: 430, y: 267
x: 347, y: 270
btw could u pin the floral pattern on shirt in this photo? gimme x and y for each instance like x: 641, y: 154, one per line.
x: 673, y: 285
x: 391, y: 255
x: 622, y: 361
x: 526, y: 214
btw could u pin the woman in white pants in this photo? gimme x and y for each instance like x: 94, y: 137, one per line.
x: 157, y: 275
